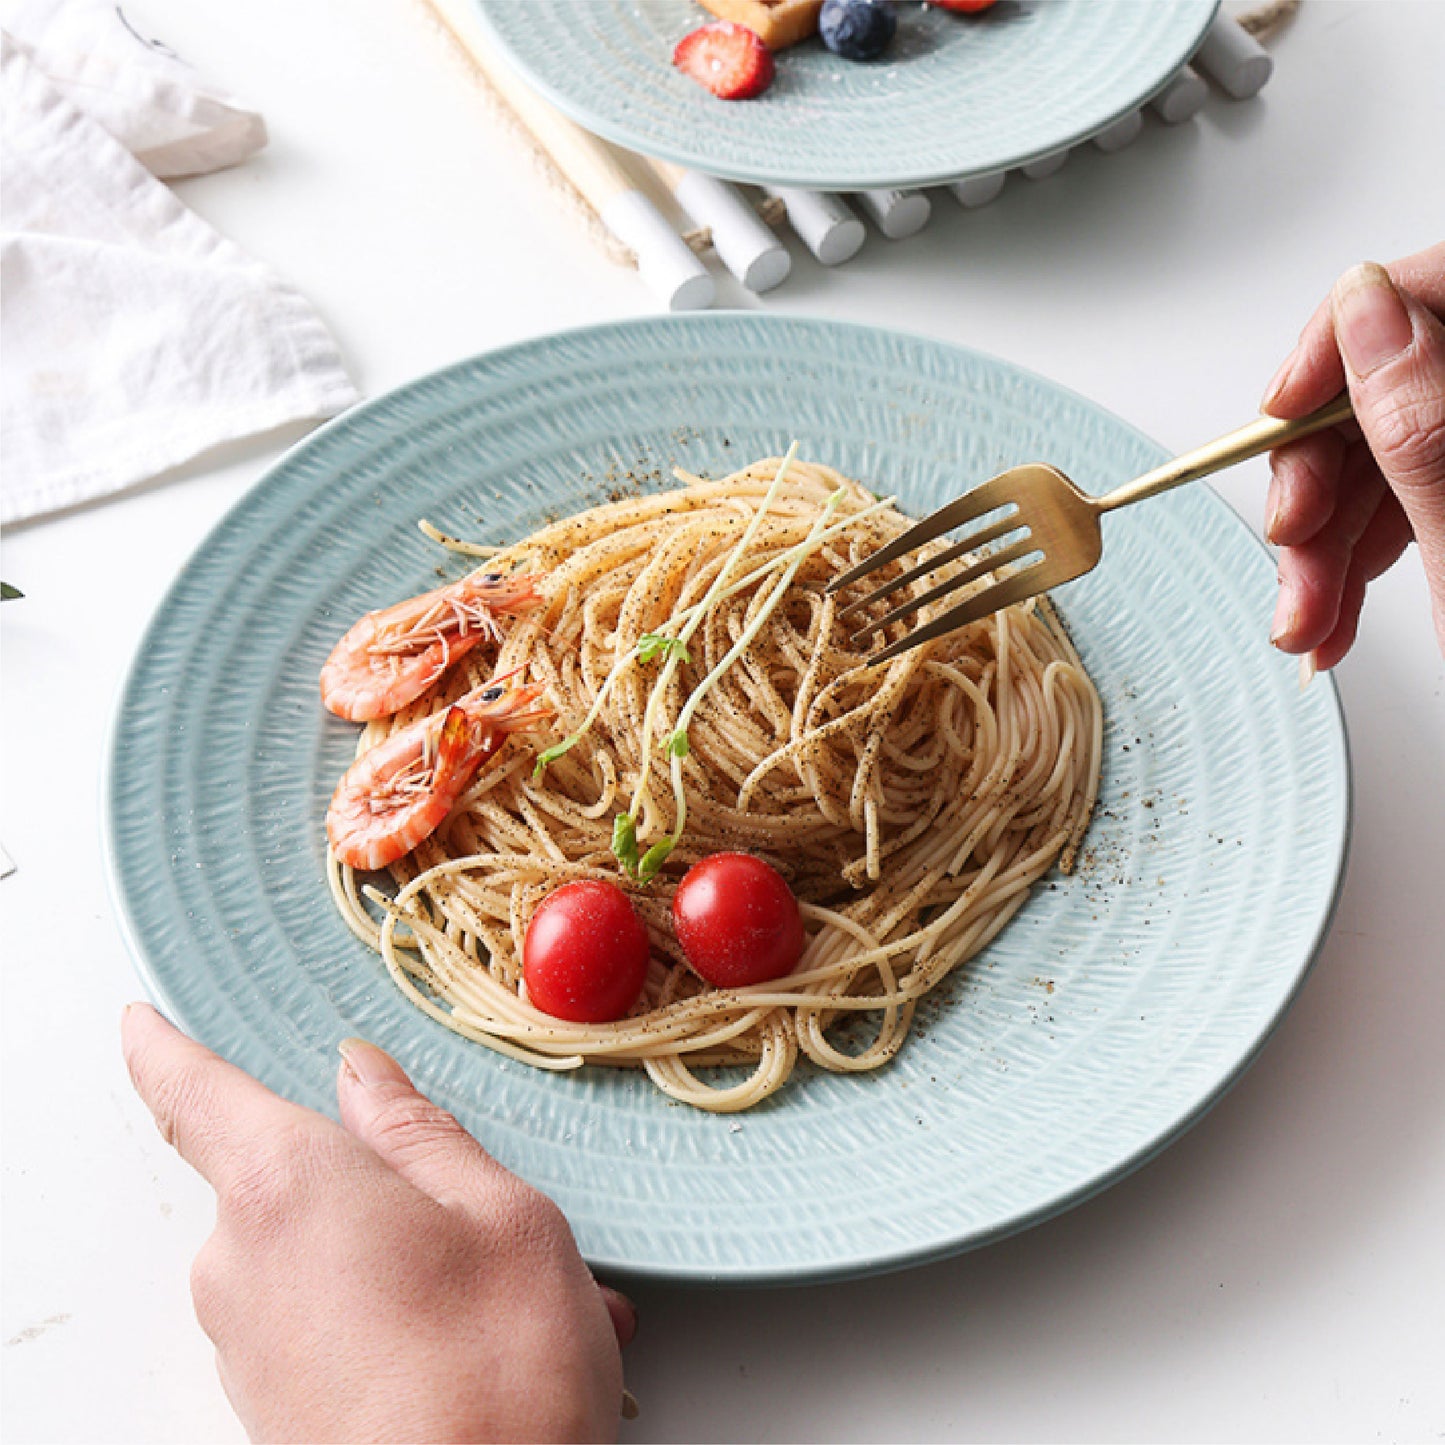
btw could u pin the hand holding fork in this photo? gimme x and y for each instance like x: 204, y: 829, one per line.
x: 1342, y: 507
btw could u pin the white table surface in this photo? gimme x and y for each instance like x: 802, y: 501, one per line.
x: 1279, y: 1273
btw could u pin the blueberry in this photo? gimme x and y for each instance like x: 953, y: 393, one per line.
x: 857, y: 29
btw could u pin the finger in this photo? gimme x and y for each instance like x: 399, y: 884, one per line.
x: 1303, y: 488
x: 422, y: 1142
x: 1347, y: 624
x: 623, y: 1313
x: 1423, y: 276
x: 1394, y: 352
x: 211, y: 1112
x: 1384, y: 539
x: 1312, y: 575
x: 1313, y: 372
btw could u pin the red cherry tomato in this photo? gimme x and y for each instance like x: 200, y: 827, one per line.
x: 737, y: 921
x: 584, y: 958
x: 966, y: 7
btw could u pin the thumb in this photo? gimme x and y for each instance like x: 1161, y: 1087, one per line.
x: 1393, y: 348
x: 421, y: 1141
x: 431, y: 1151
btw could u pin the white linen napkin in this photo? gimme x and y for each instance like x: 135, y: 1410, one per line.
x: 134, y: 335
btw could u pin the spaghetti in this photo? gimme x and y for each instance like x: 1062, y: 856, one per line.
x: 910, y: 807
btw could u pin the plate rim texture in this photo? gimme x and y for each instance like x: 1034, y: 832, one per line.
x: 260, y: 1041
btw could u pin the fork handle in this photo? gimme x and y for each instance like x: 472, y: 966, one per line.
x: 1261, y: 435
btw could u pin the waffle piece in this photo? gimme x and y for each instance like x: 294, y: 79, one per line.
x: 776, y: 22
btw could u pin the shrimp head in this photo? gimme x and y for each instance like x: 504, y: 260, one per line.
x: 401, y: 791
x: 392, y: 656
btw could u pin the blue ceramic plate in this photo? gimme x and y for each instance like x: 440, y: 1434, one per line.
x: 954, y: 96
x: 1109, y: 1015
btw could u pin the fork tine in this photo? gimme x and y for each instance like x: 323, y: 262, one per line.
x: 971, y: 543
x: 971, y: 573
x: 981, y: 499
x: 1019, y: 587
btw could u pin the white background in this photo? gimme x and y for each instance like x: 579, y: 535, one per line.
x: 1279, y: 1273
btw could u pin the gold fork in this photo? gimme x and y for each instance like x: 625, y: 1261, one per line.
x: 1059, y: 526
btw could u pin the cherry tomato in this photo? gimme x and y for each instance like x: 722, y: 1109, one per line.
x: 584, y: 958
x: 965, y: 7
x: 737, y: 921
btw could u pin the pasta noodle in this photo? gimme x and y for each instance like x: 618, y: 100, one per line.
x: 909, y: 806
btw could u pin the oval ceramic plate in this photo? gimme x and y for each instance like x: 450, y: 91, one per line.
x: 1110, y: 1013
x: 954, y: 96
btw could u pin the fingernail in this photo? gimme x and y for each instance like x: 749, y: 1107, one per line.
x: 1370, y: 319
x: 1307, y: 670
x: 371, y: 1065
x: 1271, y: 517
x: 1277, y: 382
x: 1285, y: 618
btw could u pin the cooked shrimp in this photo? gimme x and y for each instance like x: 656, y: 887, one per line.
x: 392, y: 656
x: 401, y: 791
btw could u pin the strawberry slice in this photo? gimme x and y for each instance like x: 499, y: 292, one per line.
x: 728, y: 58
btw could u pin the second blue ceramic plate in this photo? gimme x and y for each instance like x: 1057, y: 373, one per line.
x: 954, y: 96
